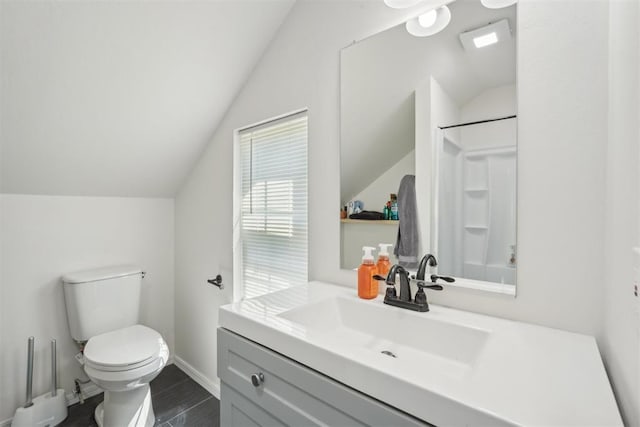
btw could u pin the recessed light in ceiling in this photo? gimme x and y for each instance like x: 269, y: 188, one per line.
x: 496, y: 32
x: 485, y: 40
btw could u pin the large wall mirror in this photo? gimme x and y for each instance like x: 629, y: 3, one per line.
x: 443, y: 109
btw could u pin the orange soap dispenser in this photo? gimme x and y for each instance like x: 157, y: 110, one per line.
x: 367, y: 285
x: 383, y: 264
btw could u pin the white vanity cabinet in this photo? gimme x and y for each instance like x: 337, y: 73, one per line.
x: 325, y: 362
x: 283, y: 392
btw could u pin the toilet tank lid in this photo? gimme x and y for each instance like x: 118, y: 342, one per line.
x: 102, y: 273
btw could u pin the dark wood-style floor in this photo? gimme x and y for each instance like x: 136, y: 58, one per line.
x: 178, y: 401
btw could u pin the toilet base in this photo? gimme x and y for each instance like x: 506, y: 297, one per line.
x: 131, y: 408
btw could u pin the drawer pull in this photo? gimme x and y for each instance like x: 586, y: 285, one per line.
x: 257, y: 379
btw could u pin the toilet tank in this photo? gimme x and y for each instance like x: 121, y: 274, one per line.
x: 102, y: 300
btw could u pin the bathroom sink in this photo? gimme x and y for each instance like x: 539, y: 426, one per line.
x: 413, y: 339
x: 445, y: 366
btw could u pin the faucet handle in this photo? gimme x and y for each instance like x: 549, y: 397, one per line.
x: 421, y: 297
x: 391, y: 289
x: 447, y: 279
x: 426, y: 285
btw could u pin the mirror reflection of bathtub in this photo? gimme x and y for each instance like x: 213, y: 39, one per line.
x: 403, y: 100
x: 476, y: 203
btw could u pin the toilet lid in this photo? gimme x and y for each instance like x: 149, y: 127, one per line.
x: 124, y: 348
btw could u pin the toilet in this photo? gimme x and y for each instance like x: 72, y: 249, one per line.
x: 120, y: 355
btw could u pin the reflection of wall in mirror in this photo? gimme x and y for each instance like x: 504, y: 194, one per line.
x: 355, y: 236
x: 492, y: 103
x: 377, y: 193
x: 434, y: 106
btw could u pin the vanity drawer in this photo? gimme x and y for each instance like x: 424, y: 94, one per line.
x: 289, y: 393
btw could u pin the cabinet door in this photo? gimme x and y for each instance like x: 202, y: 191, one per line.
x: 291, y: 394
x: 238, y: 411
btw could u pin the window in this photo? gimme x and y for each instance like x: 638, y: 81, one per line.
x: 270, y: 211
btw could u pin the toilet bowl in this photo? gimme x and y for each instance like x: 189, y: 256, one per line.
x: 123, y: 362
x: 120, y: 355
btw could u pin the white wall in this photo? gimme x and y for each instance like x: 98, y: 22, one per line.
x: 43, y: 237
x: 561, y: 141
x: 354, y: 236
x: 490, y: 104
x: 438, y: 108
x: 377, y: 193
x: 621, y: 322
x: 493, y: 103
x: 371, y: 233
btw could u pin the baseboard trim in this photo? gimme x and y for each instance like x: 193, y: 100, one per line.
x: 212, y: 387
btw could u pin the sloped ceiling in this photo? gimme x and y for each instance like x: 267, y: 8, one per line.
x: 107, y: 98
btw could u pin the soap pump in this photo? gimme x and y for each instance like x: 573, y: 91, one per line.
x: 367, y: 285
x: 383, y: 264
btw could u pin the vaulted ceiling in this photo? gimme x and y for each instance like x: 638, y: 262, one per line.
x: 120, y: 98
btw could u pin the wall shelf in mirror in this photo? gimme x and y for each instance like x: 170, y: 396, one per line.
x: 369, y: 221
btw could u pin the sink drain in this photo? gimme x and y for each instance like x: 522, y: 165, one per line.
x: 388, y: 353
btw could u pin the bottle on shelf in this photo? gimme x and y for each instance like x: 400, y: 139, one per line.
x: 394, y: 208
x: 367, y: 285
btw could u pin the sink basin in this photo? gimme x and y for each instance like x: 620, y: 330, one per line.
x: 412, y: 339
x: 445, y: 366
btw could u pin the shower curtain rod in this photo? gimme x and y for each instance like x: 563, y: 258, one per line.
x: 477, y: 123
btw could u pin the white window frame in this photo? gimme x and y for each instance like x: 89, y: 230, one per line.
x: 238, y: 285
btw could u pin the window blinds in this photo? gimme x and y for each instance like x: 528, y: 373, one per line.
x: 273, y: 211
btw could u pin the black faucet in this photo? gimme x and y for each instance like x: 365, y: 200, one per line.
x: 405, y: 289
x: 405, y: 300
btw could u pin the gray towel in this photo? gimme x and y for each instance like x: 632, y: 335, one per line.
x: 407, y: 243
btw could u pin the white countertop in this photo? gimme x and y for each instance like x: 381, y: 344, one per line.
x: 523, y: 374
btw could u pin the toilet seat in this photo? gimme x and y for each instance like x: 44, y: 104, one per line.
x: 126, y: 349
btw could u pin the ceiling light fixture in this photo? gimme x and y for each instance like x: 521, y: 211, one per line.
x: 401, y: 4
x: 431, y: 19
x: 497, y: 4
x: 437, y: 16
x: 496, y: 32
x: 485, y: 40
x: 429, y: 23
x: 427, y: 20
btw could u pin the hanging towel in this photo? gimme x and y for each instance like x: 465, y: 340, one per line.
x: 408, y: 237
